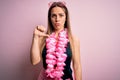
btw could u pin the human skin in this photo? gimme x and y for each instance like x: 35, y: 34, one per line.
x: 58, y: 19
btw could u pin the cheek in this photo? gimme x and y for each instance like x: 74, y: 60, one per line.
x: 52, y: 20
x: 63, y: 20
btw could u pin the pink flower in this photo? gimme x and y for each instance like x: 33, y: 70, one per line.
x: 56, y: 56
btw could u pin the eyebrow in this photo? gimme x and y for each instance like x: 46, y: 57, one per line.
x: 58, y: 13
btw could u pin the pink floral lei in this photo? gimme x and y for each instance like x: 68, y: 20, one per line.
x: 56, y: 56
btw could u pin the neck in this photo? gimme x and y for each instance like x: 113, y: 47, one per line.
x: 57, y: 31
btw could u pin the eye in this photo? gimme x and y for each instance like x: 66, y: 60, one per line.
x: 53, y: 15
x: 61, y: 15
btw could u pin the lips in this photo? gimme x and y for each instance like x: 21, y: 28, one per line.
x: 57, y: 24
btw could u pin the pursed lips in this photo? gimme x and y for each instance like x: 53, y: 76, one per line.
x: 57, y: 24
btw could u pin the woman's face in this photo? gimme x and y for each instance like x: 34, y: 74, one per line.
x: 58, y: 18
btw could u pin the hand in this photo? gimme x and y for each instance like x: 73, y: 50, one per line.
x: 40, y: 31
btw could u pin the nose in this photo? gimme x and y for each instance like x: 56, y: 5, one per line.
x: 57, y: 18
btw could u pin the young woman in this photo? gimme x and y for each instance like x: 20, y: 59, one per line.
x: 57, y: 47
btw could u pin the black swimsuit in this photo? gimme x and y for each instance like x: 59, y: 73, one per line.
x: 67, y: 69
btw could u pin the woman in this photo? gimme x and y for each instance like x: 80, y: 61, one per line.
x: 57, y: 47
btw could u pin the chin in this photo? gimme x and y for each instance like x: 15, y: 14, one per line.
x: 57, y: 27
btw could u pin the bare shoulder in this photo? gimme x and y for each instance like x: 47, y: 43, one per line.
x: 76, y: 39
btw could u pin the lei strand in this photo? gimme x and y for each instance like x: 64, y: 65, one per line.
x: 56, y: 56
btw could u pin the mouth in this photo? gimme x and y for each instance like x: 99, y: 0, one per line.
x: 57, y: 24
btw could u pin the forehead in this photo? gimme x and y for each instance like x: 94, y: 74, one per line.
x: 56, y: 10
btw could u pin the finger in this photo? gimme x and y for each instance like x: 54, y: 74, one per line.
x: 41, y: 28
x: 45, y: 35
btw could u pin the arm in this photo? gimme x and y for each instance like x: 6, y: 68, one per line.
x: 35, y: 50
x: 39, y: 33
x: 76, y: 60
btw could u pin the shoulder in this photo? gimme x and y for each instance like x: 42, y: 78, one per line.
x: 76, y: 39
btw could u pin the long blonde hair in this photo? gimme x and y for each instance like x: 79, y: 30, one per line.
x: 50, y: 28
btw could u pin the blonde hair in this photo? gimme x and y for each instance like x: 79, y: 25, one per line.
x: 50, y: 28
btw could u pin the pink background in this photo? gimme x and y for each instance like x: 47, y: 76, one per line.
x: 95, y: 22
